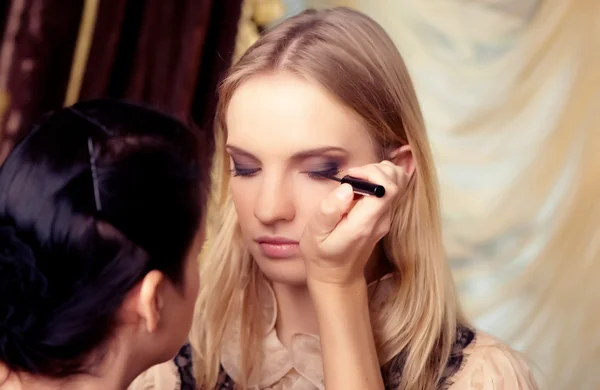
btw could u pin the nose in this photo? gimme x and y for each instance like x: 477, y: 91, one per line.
x: 275, y: 201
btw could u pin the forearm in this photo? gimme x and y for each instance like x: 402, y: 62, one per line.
x: 349, y: 355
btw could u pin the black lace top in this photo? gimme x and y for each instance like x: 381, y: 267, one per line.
x: 391, y: 371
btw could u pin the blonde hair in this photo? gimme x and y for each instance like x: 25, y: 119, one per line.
x: 351, y: 56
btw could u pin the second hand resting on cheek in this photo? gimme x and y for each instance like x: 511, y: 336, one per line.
x: 336, y: 244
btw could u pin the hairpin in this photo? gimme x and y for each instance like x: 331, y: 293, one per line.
x: 88, y: 119
x: 97, y: 200
x: 92, y: 155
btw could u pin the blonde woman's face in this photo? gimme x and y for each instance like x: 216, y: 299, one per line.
x: 282, y: 132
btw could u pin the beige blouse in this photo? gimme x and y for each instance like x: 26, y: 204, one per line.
x: 488, y: 364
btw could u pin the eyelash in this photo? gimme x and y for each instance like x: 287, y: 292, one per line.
x: 244, y: 172
x: 329, y: 169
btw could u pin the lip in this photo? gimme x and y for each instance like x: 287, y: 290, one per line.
x: 277, y: 247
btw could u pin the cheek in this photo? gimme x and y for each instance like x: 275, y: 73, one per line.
x: 243, y: 194
x: 312, y: 199
x: 192, y: 280
x: 308, y: 195
x: 195, y: 282
x: 305, y: 193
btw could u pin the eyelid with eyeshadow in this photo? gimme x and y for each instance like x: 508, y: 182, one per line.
x: 243, y: 170
x: 318, y: 171
x: 330, y: 168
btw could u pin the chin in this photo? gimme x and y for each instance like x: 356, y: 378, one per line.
x: 285, y: 271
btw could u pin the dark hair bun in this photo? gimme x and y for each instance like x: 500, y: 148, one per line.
x: 22, y: 288
x: 92, y: 199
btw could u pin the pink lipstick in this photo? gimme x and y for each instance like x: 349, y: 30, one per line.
x: 278, y: 247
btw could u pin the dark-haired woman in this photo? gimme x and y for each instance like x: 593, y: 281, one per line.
x: 100, y: 206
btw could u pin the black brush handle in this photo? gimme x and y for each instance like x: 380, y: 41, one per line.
x: 364, y: 187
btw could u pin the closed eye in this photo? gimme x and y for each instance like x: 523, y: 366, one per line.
x: 326, y: 170
x: 244, y: 172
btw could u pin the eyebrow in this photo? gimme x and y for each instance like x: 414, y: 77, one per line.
x: 318, y: 152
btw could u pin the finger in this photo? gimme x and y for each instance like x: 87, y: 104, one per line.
x: 401, y: 175
x: 394, y: 171
x: 370, y: 213
x: 332, y: 210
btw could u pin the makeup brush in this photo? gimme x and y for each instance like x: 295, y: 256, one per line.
x: 361, y: 187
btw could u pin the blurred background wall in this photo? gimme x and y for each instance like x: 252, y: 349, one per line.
x: 510, y: 90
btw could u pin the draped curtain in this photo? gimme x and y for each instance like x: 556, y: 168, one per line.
x: 37, y: 44
x: 510, y: 90
x: 169, y: 54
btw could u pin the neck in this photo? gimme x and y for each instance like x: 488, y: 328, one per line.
x: 116, y: 371
x: 296, y: 312
x: 22, y: 381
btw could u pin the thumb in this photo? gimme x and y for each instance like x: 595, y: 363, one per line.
x: 331, y: 211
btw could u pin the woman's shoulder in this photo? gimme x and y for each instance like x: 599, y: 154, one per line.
x: 488, y: 363
x: 161, y: 376
x: 477, y: 361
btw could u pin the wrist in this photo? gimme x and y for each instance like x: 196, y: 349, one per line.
x: 350, y: 287
x: 346, y: 334
x: 339, y: 298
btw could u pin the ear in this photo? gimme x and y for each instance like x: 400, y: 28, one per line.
x: 403, y: 157
x: 151, y: 301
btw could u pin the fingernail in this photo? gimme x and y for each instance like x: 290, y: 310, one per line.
x: 345, y: 192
